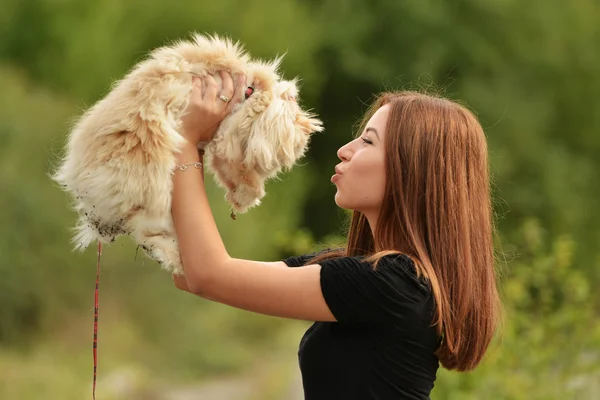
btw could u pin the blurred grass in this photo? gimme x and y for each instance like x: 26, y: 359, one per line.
x: 133, y: 365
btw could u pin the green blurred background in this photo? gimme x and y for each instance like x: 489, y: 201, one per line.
x: 529, y: 69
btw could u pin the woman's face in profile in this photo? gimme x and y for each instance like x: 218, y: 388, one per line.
x: 360, y: 177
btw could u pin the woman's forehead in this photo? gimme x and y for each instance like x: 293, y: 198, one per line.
x: 379, y: 119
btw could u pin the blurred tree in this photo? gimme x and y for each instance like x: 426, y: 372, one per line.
x: 528, y: 72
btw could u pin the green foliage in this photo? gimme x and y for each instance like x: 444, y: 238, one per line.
x: 528, y: 70
x: 547, y: 347
x: 32, y: 212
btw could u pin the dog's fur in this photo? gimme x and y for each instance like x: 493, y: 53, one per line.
x: 121, y: 153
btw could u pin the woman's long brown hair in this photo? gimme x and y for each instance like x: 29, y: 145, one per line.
x: 437, y: 210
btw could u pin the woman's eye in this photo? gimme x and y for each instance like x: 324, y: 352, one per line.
x: 367, y: 141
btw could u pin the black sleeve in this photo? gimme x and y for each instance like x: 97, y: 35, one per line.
x: 355, y: 292
x: 299, y: 261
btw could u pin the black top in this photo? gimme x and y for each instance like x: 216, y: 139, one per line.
x: 382, y: 345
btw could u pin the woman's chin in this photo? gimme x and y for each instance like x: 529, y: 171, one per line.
x: 339, y: 200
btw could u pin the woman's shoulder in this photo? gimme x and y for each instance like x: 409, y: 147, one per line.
x: 397, y: 269
x: 407, y: 266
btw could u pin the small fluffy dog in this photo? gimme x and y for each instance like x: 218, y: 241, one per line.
x: 121, y: 153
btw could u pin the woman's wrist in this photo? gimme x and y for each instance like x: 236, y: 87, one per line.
x: 188, y: 157
x: 189, y: 153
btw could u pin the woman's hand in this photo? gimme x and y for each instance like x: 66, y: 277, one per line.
x: 208, y: 106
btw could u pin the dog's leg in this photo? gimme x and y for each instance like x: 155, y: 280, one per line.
x: 156, y: 237
x: 162, y: 247
x: 225, y: 177
x: 248, y: 192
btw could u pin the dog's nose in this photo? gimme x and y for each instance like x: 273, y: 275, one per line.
x: 249, y: 91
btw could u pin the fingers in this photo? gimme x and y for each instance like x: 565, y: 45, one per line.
x: 227, y: 89
x: 212, y: 88
x: 212, y: 91
x: 238, y: 94
x: 196, y: 94
x: 240, y: 87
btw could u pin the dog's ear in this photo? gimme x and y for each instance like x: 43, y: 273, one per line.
x: 272, y: 133
x: 279, y: 133
x: 308, y: 122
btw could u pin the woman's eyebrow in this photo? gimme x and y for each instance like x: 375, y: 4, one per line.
x: 374, y: 131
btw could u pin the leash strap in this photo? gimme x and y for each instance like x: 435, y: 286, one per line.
x: 95, y: 347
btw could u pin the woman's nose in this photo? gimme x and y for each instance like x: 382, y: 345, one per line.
x: 344, y: 152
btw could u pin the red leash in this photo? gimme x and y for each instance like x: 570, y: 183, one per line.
x: 95, y: 349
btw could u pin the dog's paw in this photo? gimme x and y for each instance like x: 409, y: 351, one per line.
x: 162, y: 247
x: 244, y: 197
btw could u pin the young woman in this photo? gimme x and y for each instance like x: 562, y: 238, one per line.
x: 415, y: 285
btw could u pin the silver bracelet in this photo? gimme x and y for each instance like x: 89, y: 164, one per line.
x: 195, y: 164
